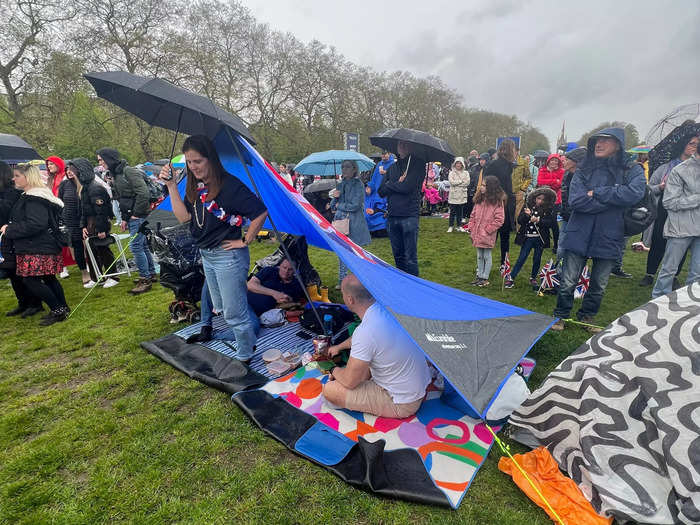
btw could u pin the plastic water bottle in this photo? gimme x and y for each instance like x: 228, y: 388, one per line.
x: 328, y: 324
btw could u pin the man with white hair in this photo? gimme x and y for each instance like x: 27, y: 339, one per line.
x: 387, y: 374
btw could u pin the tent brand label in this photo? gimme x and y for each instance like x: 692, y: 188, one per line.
x: 440, y: 338
x: 449, y: 342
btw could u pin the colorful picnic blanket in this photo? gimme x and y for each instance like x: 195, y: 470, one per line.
x: 451, y: 445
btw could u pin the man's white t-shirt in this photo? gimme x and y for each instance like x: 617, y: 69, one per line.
x: 396, y: 362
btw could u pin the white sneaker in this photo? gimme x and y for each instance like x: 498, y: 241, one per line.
x: 89, y: 284
x: 110, y: 282
x: 449, y: 230
x: 64, y: 273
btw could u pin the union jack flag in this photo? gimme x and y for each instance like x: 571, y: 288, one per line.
x: 548, y: 275
x: 505, y: 268
x: 583, y: 282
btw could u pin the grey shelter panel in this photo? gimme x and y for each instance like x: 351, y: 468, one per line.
x: 475, y: 356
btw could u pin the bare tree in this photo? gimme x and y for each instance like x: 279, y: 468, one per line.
x: 24, y: 43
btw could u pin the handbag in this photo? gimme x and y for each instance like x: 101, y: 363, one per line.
x: 342, y: 225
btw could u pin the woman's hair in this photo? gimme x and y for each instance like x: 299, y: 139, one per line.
x: 202, y: 145
x: 355, y: 169
x: 494, y: 193
x: 75, y: 180
x: 32, y: 174
x: 506, y: 150
x: 5, y: 176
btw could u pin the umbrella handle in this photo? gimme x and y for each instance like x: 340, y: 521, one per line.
x: 172, y: 150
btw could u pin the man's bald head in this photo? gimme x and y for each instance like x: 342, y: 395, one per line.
x: 354, y: 290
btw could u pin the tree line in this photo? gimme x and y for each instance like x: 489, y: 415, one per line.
x: 295, y: 97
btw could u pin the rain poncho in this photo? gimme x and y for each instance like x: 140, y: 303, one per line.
x: 373, y: 201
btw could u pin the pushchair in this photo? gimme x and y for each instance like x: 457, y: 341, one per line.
x: 181, y: 267
x: 180, y: 270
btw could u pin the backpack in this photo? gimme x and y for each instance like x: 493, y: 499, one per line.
x: 640, y: 216
x: 340, y: 314
x: 155, y: 190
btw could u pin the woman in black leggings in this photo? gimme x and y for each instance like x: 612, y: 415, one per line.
x: 69, y: 193
x: 33, y: 228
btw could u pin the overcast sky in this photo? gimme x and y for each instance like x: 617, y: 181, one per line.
x: 544, y: 61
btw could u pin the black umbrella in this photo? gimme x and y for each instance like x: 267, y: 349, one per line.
x: 425, y: 146
x: 165, y: 105
x: 14, y: 150
x: 540, y: 153
x: 672, y: 145
x: 321, y: 185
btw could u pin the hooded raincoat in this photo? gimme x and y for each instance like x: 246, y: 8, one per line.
x: 459, y: 183
x: 373, y: 201
x: 552, y: 179
x: 596, y: 225
x: 54, y: 181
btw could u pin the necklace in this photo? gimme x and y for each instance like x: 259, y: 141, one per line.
x: 196, y: 215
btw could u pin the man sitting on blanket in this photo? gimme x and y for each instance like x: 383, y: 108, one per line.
x: 269, y: 287
x: 387, y: 374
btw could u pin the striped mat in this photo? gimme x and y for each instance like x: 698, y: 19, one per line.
x: 283, y: 338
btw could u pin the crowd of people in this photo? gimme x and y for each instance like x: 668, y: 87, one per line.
x: 574, y: 201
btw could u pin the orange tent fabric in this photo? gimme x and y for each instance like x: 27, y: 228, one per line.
x: 561, y: 492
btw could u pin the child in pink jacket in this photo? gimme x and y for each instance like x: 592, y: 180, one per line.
x: 486, y: 218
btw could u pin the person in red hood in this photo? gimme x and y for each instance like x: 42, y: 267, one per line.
x: 56, y: 167
x: 552, y: 175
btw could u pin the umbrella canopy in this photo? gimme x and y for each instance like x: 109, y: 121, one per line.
x: 425, y: 146
x: 671, y: 146
x: 162, y: 104
x: 178, y: 161
x: 328, y: 163
x: 320, y: 185
x: 641, y: 148
x: 14, y: 150
x: 540, y: 153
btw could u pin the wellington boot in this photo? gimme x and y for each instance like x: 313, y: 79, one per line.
x: 312, y: 289
x: 324, y: 294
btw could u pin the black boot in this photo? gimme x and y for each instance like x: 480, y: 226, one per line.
x: 16, y: 311
x: 32, y: 310
x: 55, y: 316
x: 203, y: 336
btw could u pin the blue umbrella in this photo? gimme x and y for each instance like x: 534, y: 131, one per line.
x: 328, y: 163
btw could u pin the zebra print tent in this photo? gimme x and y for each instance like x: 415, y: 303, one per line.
x: 622, y: 414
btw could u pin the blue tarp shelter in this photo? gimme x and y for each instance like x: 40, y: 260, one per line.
x: 475, y: 342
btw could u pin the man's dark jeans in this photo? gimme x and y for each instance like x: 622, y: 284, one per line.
x: 403, y: 234
x: 573, y: 266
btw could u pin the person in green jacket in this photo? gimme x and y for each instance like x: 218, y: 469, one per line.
x: 131, y: 192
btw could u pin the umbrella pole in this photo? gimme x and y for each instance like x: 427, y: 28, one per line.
x: 277, y: 233
x: 172, y: 150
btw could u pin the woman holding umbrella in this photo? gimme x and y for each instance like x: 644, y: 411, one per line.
x: 215, y: 204
x: 679, y: 146
x: 348, y: 202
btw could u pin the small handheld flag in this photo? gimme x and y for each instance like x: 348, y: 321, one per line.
x: 583, y: 282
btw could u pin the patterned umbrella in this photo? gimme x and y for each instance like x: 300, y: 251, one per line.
x: 641, y: 148
x: 671, y: 146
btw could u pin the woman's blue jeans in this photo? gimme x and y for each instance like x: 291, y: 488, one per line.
x: 226, y: 272
x: 139, y: 247
x: 207, y: 316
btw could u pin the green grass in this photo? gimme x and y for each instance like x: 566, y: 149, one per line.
x: 94, y: 429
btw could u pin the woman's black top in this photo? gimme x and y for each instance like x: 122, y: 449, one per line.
x: 236, y: 199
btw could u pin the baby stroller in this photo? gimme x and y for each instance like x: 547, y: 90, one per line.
x: 180, y: 270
